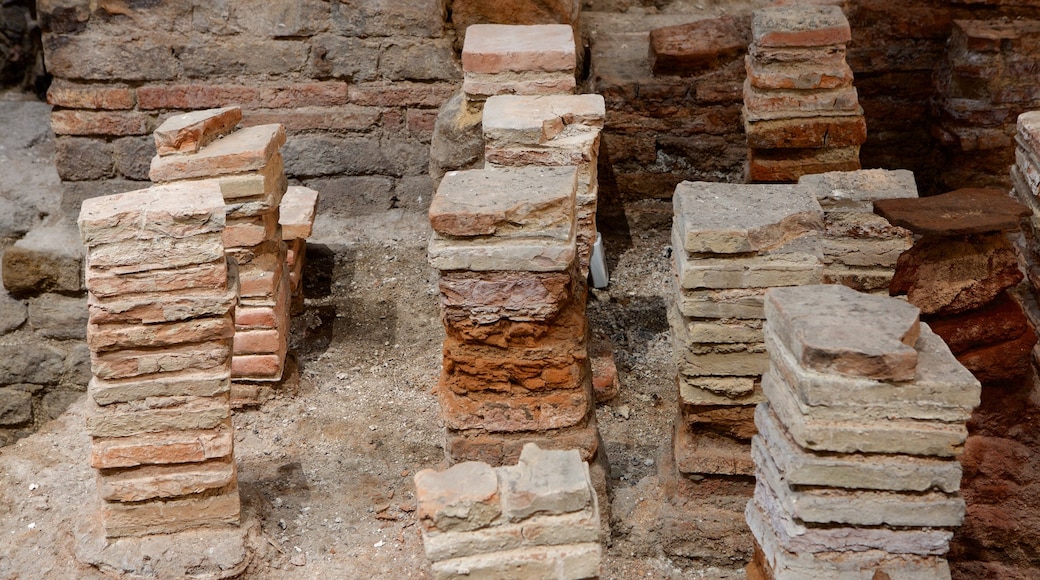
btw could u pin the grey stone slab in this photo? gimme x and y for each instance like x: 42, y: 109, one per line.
x: 719, y: 391
x: 525, y: 255
x: 834, y: 329
x: 544, y: 482
x: 461, y: 498
x: 857, y: 190
x: 727, y: 218
x: 745, y: 303
x: 802, y: 467
x: 745, y: 271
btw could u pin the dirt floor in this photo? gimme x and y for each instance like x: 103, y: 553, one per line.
x: 326, y: 466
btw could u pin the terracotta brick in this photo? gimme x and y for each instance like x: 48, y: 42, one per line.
x: 504, y: 448
x: 342, y: 118
x: 800, y: 26
x: 686, y: 49
x: 212, y: 275
x: 165, y: 481
x: 807, y: 132
x: 787, y: 165
x: 245, y: 150
x: 132, y: 363
x: 164, y: 517
x: 69, y: 122
x: 763, y: 105
x: 327, y: 93
x: 258, y: 367
x: 196, y: 96
x: 478, y: 87
x: 497, y: 48
x: 190, y: 132
x: 73, y: 96
x: 401, y: 94
x: 107, y: 337
x: 296, y: 212
x: 162, y: 448
x: 265, y: 341
x: 251, y: 231
x: 247, y: 317
x: 129, y: 420
x: 510, y: 412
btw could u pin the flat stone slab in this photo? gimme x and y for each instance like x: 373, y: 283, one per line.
x: 514, y: 254
x: 461, y: 498
x: 498, y: 48
x: 686, y: 49
x: 570, y: 562
x: 533, y: 202
x: 189, y: 132
x: 246, y: 150
x: 725, y: 218
x: 545, y: 481
x: 296, y: 212
x: 1028, y: 126
x: 857, y: 190
x: 177, y: 210
x: 800, y: 26
x: 536, y: 119
x: 959, y: 212
x: 834, y: 329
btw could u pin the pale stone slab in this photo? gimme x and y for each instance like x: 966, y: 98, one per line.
x: 189, y: 132
x: 527, y: 255
x: 571, y: 562
x: 246, y: 150
x: 745, y: 272
x: 498, y: 48
x: 941, y: 387
x: 143, y: 255
x: 857, y: 190
x: 537, y: 119
x: 544, y: 482
x: 105, y: 337
x: 761, y: 105
x: 719, y: 359
x: 153, y: 307
x: 832, y: 328
x: 864, y: 253
x: 795, y: 536
x: 726, y: 218
x: 866, y: 436
x: 1028, y: 129
x: 181, y: 210
x: 120, y: 420
x: 186, y: 384
x: 843, y: 565
x: 739, y: 303
x: 296, y: 212
x: 167, y: 516
x: 165, y: 481
x: 521, y: 202
x: 724, y: 330
x: 852, y: 471
x: 480, y: 86
x: 719, y: 391
x: 870, y: 280
x: 106, y: 284
x: 858, y: 507
x: 461, y: 498
x: 262, y: 188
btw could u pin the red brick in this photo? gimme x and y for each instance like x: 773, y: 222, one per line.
x: 691, y: 48
x: 342, y: 118
x: 196, y: 96
x: 787, y: 165
x: 258, y: 366
x: 508, y: 412
x: 161, y: 448
x: 401, y: 94
x: 258, y: 316
x: 65, y: 94
x: 497, y: 48
x: 304, y: 95
x: 801, y: 26
x: 251, y: 231
x: 809, y: 132
x: 265, y: 341
x: 421, y: 120
x: 100, y: 123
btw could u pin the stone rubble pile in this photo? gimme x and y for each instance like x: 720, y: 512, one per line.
x: 731, y: 243
x: 801, y: 112
x: 857, y: 476
x: 959, y: 274
x: 248, y: 166
x: 536, y: 519
x: 162, y: 296
x: 860, y: 248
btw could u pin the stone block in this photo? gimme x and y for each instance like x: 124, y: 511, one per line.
x: 246, y: 150
x: 722, y: 218
x: 463, y: 498
x: 803, y: 468
x: 13, y: 313
x: 703, y: 452
x: 545, y: 482
x: 189, y: 132
x: 186, y: 384
x: 179, y: 211
x: 503, y: 448
x: 800, y: 26
x: 961, y: 212
x: 688, y: 49
x: 170, y: 447
x: 763, y: 105
x: 105, y: 285
x: 59, y: 317
x: 137, y: 256
x: 15, y: 406
x: 48, y: 259
x: 571, y: 562
x: 513, y: 254
x: 70, y: 95
x: 168, y: 516
x: 258, y: 191
x: 478, y: 87
x: 806, y: 132
x: 870, y: 280
x: 130, y: 363
x: 296, y: 212
x: 745, y: 272
x: 108, y: 337
x: 165, y: 481
x: 708, y: 391
x: 100, y: 123
x: 857, y: 190
x: 857, y: 238
x: 125, y: 420
x: 468, y: 12
x: 538, y: 119
x: 38, y: 365
x: 529, y: 202
x: 834, y: 329
x: 724, y: 330
x: 720, y: 360
x: 499, y: 48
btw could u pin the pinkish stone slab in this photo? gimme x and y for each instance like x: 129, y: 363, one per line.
x: 834, y: 329
x: 462, y: 498
x: 296, y: 212
x: 498, y: 48
x: 190, y: 132
x: 162, y: 211
x: 960, y: 212
x: 800, y: 26
x: 242, y: 151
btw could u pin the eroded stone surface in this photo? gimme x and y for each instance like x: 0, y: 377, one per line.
x: 461, y: 498
x: 189, y: 132
x: 859, y: 189
x: 960, y: 212
x: 800, y: 26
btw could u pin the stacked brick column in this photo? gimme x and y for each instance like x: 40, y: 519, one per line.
x: 1025, y: 181
x: 161, y: 305
x: 249, y: 168
x: 536, y: 519
x: 860, y: 248
x: 855, y: 458
x: 516, y: 367
x: 959, y: 273
x: 801, y: 112
x: 730, y: 243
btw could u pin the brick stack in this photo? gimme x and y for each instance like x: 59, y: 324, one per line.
x: 162, y: 295
x: 959, y: 273
x: 801, y: 112
x: 296, y: 215
x: 500, y: 59
x: 987, y: 78
x: 860, y: 248
x: 855, y: 459
x: 536, y: 519
x: 1025, y: 181
x: 516, y: 367
x: 248, y: 166
x: 730, y: 243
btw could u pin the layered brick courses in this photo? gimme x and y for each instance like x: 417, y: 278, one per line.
x: 730, y: 243
x: 801, y: 112
x: 247, y: 165
x: 296, y: 215
x: 160, y: 418
x: 538, y: 518
x: 855, y: 453
x: 500, y: 59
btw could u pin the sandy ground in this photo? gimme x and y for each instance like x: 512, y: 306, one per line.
x: 326, y: 467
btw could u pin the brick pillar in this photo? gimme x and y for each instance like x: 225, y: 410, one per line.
x: 516, y: 367
x: 162, y: 296
x: 855, y: 460
x: 249, y: 168
x: 801, y: 112
x: 536, y: 519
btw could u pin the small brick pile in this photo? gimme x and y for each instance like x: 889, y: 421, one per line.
x: 501, y: 59
x: 516, y: 365
x: 161, y: 300
x: 801, y: 112
x: 860, y: 248
x: 536, y: 519
x: 730, y: 243
x: 857, y: 476
x: 959, y: 274
x: 248, y: 165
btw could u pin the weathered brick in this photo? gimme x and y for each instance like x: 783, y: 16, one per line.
x: 101, y: 57
x: 806, y: 132
x: 251, y: 231
x: 686, y: 49
x: 189, y: 132
x: 351, y: 59
x: 240, y: 56
x: 169, y: 516
x: 496, y: 48
x: 296, y: 212
x: 131, y: 363
x: 800, y: 26
x: 400, y: 94
x: 76, y: 96
x: 328, y: 93
x: 389, y: 17
x: 263, y: 341
x: 71, y: 122
x: 459, y: 499
x: 165, y: 481
x: 421, y: 121
x: 198, y: 413
x: 266, y: 367
x: 412, y: 60
x: 211, y: 383
x: 342, y: 118
x: 162, y: 448
x: 133, y: 157
x: 196, y: 96
x: 105, y: 337
x: 246, y: 150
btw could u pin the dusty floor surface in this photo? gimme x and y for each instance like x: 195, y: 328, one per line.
x: 327, y: 467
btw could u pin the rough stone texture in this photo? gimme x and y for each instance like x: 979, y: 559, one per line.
x: 48, y: 259
x: 462, y: 498
x: 457, y: 142
x: 249, y: 149
x: 545, y: 482
x: 838, y: 330
x: 497, y: 48
x: 957, y: 213
x: 857, y: 190
x: 998, y: 321
x: 190, y: 132
x: 689, y: 48
x: 800, y: 26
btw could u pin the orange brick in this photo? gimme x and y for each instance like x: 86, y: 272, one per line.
x: 65, y: 94
x: 267, y: 341
x: 342, y: 118
x: 304, y: 95
x: 189, y: 97
x: 401, y: 94
x: 258, y: 366
x: 100, y: 123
